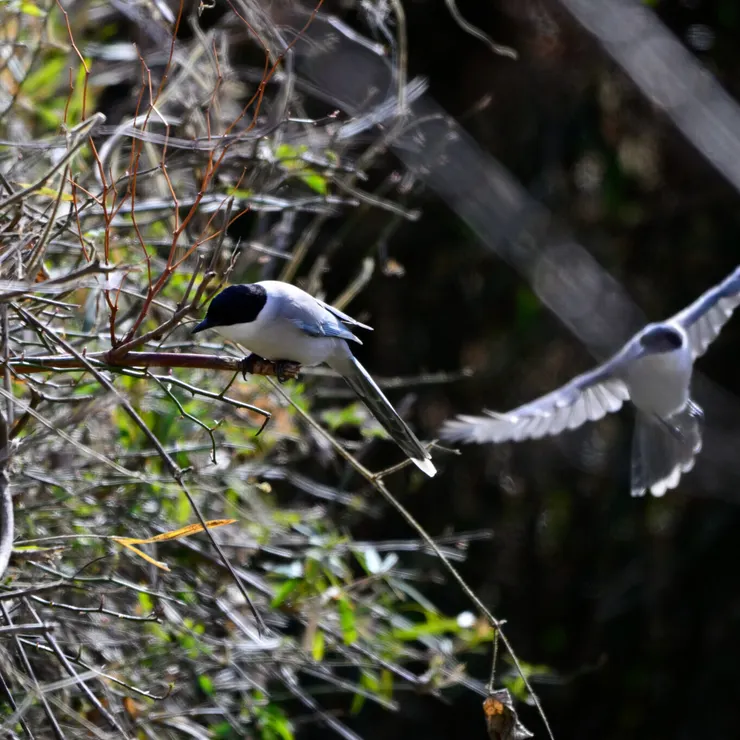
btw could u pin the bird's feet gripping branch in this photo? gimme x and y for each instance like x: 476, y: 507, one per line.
x: 282, y: 369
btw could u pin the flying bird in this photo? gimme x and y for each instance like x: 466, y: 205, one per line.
x: 653, y: 371
x: 282, y: 323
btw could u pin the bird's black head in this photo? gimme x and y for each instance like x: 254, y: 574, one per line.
x: 662, y: 338
x: 237, y: 304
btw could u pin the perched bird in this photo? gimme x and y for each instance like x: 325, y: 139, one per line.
x: 653, y: 370
x: 282, y: 323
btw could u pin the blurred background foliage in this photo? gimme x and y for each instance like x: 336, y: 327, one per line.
x: 624, y: 611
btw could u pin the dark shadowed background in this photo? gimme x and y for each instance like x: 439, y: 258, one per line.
x: 633, y: 604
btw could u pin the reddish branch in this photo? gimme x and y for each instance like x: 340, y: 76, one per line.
x: 254, y: 365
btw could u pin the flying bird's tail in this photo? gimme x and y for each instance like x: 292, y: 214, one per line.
x: 663, y: 449
x: 365, y: 387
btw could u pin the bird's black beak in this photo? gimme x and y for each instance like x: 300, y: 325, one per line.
x: 203, y: 325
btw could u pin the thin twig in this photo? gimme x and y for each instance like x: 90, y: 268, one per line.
x: 175, y: 470
x: 12, y: 704
x: 165, y: 387
x: 58, y: 734
x: 7, y: 525
x: 81, y: 132
x: 504, y: 51
x: 69, y: 668
x: 379, y: 486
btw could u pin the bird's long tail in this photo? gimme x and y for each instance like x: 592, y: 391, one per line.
x: 365, y: 387
x: 664, y: 449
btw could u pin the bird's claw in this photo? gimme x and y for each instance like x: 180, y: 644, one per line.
x: 247, y: 365
x: 281, y: 370
x: 284, y: 369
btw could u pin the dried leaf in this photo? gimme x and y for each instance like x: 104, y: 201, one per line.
x: 129, y: 542
x: 130, y: 706
x: 142, y: 554
x: 393, y: 268
x: 501, y: 718
x: 182, y: 532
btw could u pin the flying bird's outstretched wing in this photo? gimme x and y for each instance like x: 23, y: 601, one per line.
x: 585, y: 398
x: 704, y: 318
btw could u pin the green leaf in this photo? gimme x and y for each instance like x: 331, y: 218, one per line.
x: 221, y: 731
x: 368, y: 681
x: 206, y: 685
x: 433, y: 626
x: 352, y: 415
x: 386, y: 684
x: 159, y: 632
x: 182, y: 509
x: 289, y: 158
x: 516, y: 686
x: 347, y: 621
x: 146, y: 603
x: 240, y: 193
x: 40, y: 84
x: 283, y: 591
x: 316, y: 182
x: 32, y: 10
x: 515, y: 683
x: 77, y: 98
x: 289, y: 152
x: 317, y: 649
x: 273, y: 723
x: 528, y: 307
x: 358, y: 701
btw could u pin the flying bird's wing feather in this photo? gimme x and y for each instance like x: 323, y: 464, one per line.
x: 585, y: 398
x: 704, y: 318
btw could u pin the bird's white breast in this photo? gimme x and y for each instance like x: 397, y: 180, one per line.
x: 660, y: 383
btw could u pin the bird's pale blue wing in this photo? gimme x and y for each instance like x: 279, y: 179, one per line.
x: 704, y: 318
x: 585, y: 398
x: 314, y: 317
x: 343, y: 316
x: 331, y: 328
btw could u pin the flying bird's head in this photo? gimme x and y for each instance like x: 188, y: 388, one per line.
x: 661, y: 338
x: 237, y: 304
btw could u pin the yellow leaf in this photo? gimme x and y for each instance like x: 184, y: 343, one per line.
x: 182, y: 532
x: 49, y: 192
x: 143, y: 555
x: 32, y: 10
